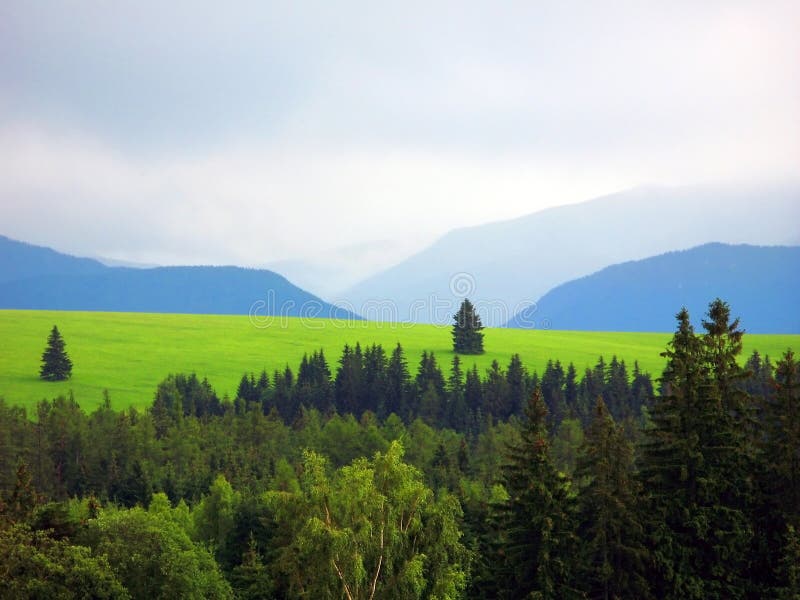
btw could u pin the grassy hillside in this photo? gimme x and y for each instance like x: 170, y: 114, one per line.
x: 129, y: 353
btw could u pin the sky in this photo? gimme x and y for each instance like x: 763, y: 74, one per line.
x: 249, y: 133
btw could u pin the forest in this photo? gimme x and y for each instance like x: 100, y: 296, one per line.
x: 384, y: 477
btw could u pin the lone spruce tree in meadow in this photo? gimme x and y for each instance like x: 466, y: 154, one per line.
x: 56, y: 365
x: 467, y: 336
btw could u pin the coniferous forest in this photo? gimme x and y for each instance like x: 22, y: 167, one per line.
x: 392, y: 476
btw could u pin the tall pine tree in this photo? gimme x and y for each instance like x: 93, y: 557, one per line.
x: 537, y: 520
x: 691, y: 469
x: 610, y: 523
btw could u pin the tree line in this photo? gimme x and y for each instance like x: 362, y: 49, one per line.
x: 465, y: 400
x: 590, y: 487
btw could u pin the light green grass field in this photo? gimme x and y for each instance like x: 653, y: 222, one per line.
x: 129, y: 353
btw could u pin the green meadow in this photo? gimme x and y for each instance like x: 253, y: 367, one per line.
x: 129, y: 353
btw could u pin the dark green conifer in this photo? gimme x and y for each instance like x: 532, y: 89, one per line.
x: 467, y: 336
x: 611, y: 529
x: 693, y: 468
x: 398, y: 385
x: 56, y: 365
x: 517, y: 386
x: 537, y: 520
x: 457, y: 411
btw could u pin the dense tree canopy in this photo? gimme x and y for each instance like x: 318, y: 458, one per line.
x: 380, y: 480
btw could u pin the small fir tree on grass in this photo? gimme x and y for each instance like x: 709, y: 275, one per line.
x: 56, y: 365
x: 467, y: 336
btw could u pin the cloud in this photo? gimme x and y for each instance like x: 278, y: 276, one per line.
x: 251, y: 205
x: 188, y: 133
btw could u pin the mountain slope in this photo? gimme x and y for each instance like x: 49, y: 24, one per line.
x: 55, y: 281
x: 19, y: 260
x: 762, y: 285
x: 502, y: 266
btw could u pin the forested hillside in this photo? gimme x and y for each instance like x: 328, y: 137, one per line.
x: 393, y: 476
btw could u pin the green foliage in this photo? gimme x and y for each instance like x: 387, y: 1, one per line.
x: 214, y: 517
x: 369, y: 530
x: 537, y: 522
x: 781, y: 444
x: 698, y: 466
x: 611, y: 527
x: 467, y: 327
x: 21, y: 502
x: 251, y: 579
x: 153, y: 557
x: 35, y: 566
x: 288, y: 497
x: 56, y: 365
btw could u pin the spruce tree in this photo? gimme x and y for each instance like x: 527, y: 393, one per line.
x: 467, y: 336
x: 537, y: 519
x: 783, y: 436
x: 777, y: 510
x: 517, y: 386
x: 398, y: 385
x: 692, y: 470
x: 610, y: 523
x: 496, y: 398
x: 457, y: 411
x: 473, y: 396
x: 56, y: 365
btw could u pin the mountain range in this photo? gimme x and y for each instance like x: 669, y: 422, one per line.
x: 504, y: 266
x: 622, y: 262
x: 761, y: 284
x: 33, y: 277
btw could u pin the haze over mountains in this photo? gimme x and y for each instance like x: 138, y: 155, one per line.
x: 34, y: 277
x: 762, y: 285
x: 565, y: 259
x: 339, y: 269
x: 507, y: 265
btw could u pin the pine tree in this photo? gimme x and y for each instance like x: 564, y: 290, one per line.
x: 610, y: 525
x: 783, y: 436
x: 777, y: 511
x: 398, y: 385
x: 374, y: 380
x: 56, y: 365
x: 467, y: 336
x: 349, y: 381
x: 517, y: 386
x: 473, y: 397
x: 537, y: 520
x: 571, y: 392
x: 457, y: 411
x: 251, y: 579
x: 553, y: 393
x: 496, y: 397
x: 314, y: 388
x: 692, y: 472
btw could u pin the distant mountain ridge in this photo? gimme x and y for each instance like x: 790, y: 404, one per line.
x: 34, y: 277
x: 505, y: 265
x: 762, y: 285
x: 20, y: 260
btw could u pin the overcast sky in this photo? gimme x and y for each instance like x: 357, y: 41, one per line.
x: 191, y: 132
